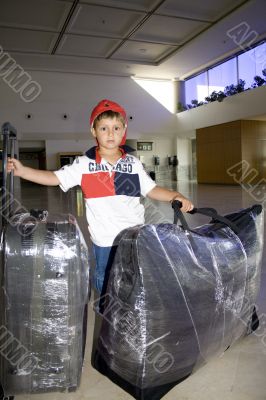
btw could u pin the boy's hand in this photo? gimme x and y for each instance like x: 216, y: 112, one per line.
x: 15, y: 165
x: 186, y: 204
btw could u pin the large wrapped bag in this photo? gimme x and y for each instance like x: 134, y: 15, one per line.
x: 176, y: 297
x: 43, y: 303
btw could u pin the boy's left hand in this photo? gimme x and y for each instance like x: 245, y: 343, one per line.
x: 186, y: 204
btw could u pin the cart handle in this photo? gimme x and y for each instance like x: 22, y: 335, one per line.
x: 9, y: 136
x: 210, y: 212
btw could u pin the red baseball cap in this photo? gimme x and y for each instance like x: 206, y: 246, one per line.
x: 108, y: 105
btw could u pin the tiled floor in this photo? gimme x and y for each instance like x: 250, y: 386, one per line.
x: 239, y: 374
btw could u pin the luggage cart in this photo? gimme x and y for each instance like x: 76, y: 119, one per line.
x: 44, y: 292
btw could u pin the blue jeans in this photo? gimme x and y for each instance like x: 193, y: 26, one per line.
x: 104, y: 258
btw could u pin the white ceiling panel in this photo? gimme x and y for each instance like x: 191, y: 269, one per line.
x: 207, y: 10
x: 86, y: 46
x: 103, y: 21
x: 139, y: 51
x: 82, y: 65
x: 27, y: 40
x: 168, y: 30
x: 143, y: 5
x: 36, y: 14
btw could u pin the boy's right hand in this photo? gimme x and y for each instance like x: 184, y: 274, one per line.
x: 15, y: 165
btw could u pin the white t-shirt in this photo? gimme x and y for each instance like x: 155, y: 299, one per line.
x: 111, y: 193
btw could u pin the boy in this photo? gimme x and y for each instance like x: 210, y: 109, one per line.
x: 112, y: 181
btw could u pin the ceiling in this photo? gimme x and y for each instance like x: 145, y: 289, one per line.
x: 164, y: 39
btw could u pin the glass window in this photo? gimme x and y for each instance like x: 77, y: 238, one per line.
x: 250, y: 64
x: 223, y: 75
x: 196, y: 88
x: 247, y: 67
x: 260, y: 58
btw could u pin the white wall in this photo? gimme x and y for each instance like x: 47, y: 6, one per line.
x: 76, y: 95
x: 31, y: 143
x: 161, y: 148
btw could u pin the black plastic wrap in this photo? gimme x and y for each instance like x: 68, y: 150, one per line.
x: 172, y: 304
x: 43, y: 303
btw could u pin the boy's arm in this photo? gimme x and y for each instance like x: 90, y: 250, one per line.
x: 162, y: 194
x: 47, y: 178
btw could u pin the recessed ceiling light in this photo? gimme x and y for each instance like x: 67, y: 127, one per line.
x: 142, y: 50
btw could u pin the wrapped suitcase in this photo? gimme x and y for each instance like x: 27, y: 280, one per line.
x: 177, y: 297
x: 43, y: 302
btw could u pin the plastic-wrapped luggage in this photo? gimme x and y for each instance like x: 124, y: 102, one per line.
x: 44, y: 275
x: 176, y: 297
x: 44, y: 296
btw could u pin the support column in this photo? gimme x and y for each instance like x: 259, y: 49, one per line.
x: 179, y: 98
x: 184, y: 159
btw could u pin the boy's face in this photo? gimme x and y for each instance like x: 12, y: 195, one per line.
x: 109, y: 132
